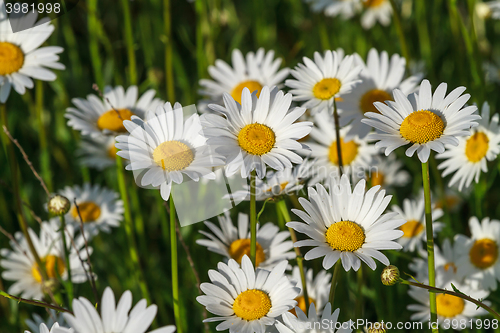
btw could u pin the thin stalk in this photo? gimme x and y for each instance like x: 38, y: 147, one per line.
x: 169, y: 71
x: 430, y: 241
x: 69, y: 287
x: 281, y: 205
x: 253, y: 219
x: 93, y: 27
x: 399, y: 30
x: 129, y: 229
x: 175, y: 266
x: 35, y: 303
x: 129, y: 38
x: 359, y: 297
x: 42, y: 136
x: 335, y: 276
x: 423, y: 33
x: 138, y: 220
x: 337, y: 136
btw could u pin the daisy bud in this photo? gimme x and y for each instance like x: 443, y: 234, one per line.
x: 59, y: 205
x: 377, y: 328
x: 390, y: 275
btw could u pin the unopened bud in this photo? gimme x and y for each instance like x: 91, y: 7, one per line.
x: 377, y: 328
x: 59, y: 205
x: 390, y: 275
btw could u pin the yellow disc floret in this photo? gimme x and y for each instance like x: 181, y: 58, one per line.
x: 89, y: 211
x: 349, y: 152
x: 476, y: 147
x: 377, y: 178
x: 449, y: 306
x: 372, y: 96
x: 256, y: 139
x: 252, y: 304
x: 11, y: 58
x: 112, y: 120
x: 412, y: 228
x: 345, y: 236
x: 326, y: 88
x: 251, y: 85
x: 422, y: 126
x: 301, y: 303
x: 451, y: 265
x: 373, y: 3
x: 240, y: 247
x: 484, y: 253
x: 173, y: 155
x: 51, y: 262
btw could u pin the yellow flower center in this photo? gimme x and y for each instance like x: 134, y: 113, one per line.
x: 449, y: 306
x: 173, y: 155
x: 11, y: 58
x: 51, y: 262
x: 89, y: 211
x: 373, y: 3
x: 349, y: 152
x: 282, y: 187
x: 372, y: 96
x: 377, y: 178
x: 112, y: 151
x: 484, y: 253
x: 412, y: 228
x: 345, y: 236
x: 421, y: 127
x: 451, y: 265
x: 251, y: 85
x: 301, y: 303
x: 240, y: 247
x: 252, y: 304
x: 112, y: 120
x: 326, y: 88
x: 476, y: 147
x: 256, y: 139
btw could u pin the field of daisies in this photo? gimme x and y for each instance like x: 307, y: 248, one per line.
x: 250, y: 166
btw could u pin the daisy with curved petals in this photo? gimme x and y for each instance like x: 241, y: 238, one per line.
x: 344, y: 8
x: 478, y: 256
x: 427, y: 121
x: 20, y: 266
x: 95, y: 116
x: 347, y: 224
x: 21, y: 57
x: 256, y: 71
x: 357, y: 154
x: 376, y: 10
x: 246, y: 299
x: 35, y: 325
x: 317, y: 289
x: 470, y: 157
x: 386, y: 172
x: 165, y: 147
x: 320, y: 81
x: 261, y: 131
x: 97, y: 152
x: 380, y: 76
x: 99, y: 208
x: 309, y: 324
x: 44, y: 329
x: 413, y: 213
x: 114, y: 318
x: 234, y: 243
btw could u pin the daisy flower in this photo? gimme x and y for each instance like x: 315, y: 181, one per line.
x: 261, y: 131
x: 100, y: 208
x: 258, y: 70
x: 246, y: 299
x: 317, y: 289
x: 357, y: 154
x: 380, y: 76
x: 97, y: 152
x: 113, y: 318
x: 427, y: 121
x: 42, y: 328
x: 234, y: 243
x: 344, y: 8
x: 313, y: 323
x: 414, y: 233
x: 165, y: 147
x: 21, y: 57
x: 494, y: 7
x: 452, y: 199
x: 321, y: 81
x: 35, y: 325
x: 20, y: 266
x: 376, y: 10
x: 347, y: 224
x: 470, y: 157
x: 95, y: 116
x: 478, y: 255
x: 386, y: 172
x: 449, y: 308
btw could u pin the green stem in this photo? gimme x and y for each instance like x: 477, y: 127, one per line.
x: 335, y: 276
x: 175, y: 267
x: 42, y: 136
x: 423, y: 33
x: 253, y: 219
x: 69, y: 286
x: 337, y: 136
x: 430, y: 241
x: 169, y: 71
x: 93, y: 27
x: 35, y: 303
x: 134, y: 253
x: 138, y: 220
x: 129, y: 37
x: 300, y: 260
x: 400, y: 32
x: 359, y: 299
